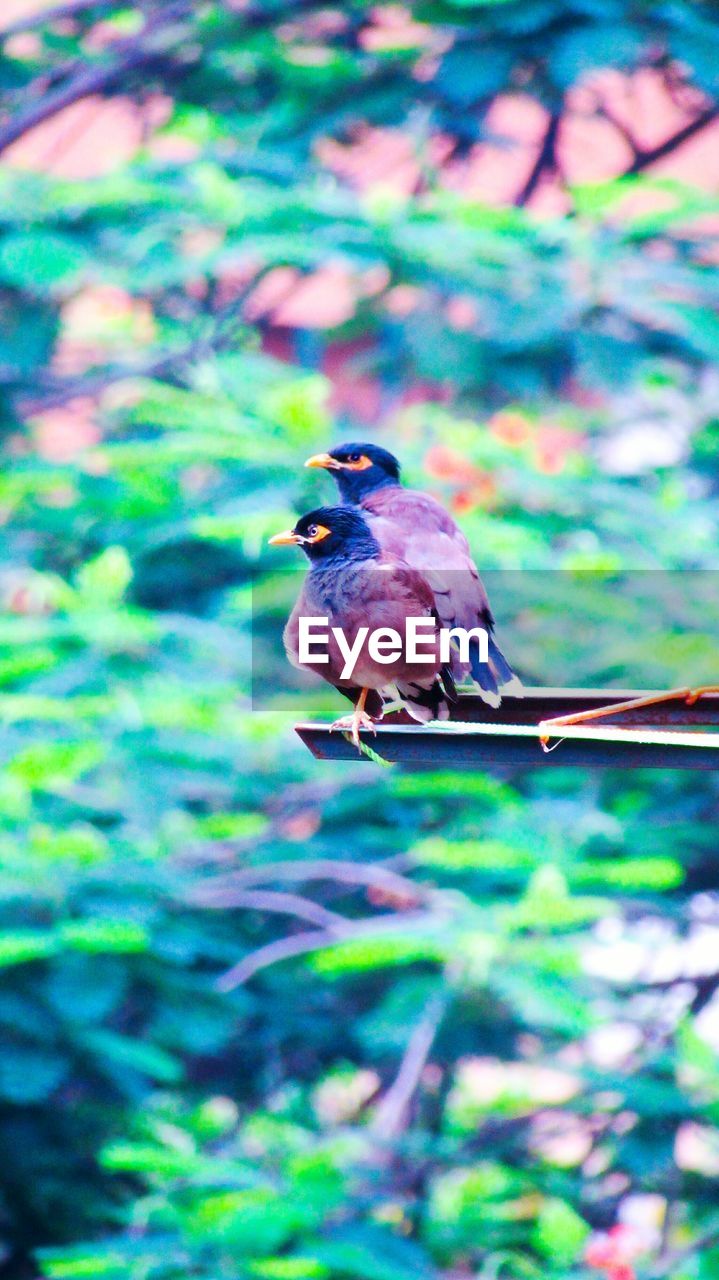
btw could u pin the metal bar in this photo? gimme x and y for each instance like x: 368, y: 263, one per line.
x: 421, y: 745
x: 543, y: 704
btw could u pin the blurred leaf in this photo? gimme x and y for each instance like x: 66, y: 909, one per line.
x: 560, y: 1233
x: 30, y: 1075
x: 40, y: 261
x: 122, y: 1053
x: 247, y: 1222
x: 104, y: 936
x: 105, y: 579
x: 21, y: 946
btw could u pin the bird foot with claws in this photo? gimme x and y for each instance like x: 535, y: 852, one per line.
x: 358, y: 720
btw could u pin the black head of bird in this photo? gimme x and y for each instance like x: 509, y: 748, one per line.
x: 359, y: 469
x: 415, y: 528
x: 340, y: 592
x: 331, y: 533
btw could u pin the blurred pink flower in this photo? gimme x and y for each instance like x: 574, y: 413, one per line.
x: 60, y: 434
x: 393, y: 27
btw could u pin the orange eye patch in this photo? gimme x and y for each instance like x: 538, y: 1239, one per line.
x: 321, y: 531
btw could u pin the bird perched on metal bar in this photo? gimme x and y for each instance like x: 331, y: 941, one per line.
x: 353, y: 584
x: 415, y: 527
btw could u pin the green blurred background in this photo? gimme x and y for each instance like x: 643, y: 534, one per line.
x: 263, y: 1017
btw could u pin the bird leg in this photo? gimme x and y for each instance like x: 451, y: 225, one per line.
x: 690, y: 696
x: 358, y: 720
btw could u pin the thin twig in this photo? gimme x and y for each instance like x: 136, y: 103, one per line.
x: 645, y: 158
x: 289, y: 904
x: 574, y: 718
x: 372, y: 875
x: 91, y: 81
x: 319, y: 940
x: 672, y: 1186
x: 93, y: 384
x: 281, y: 949
x: 545, y: 162
x: 169, y: 364
x: 131, y: 54
x: 706, y: 988
x: 623, y: 130
x: 391, y: 1113
x: 615, y: 708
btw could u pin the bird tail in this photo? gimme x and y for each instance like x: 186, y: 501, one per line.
x: 494, y: 677
x: 429, y: 702
x: 484, y: 676
x: 508, y: 682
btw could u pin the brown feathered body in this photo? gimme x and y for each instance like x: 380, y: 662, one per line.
x: 377, y: 592
x: 415, y: 526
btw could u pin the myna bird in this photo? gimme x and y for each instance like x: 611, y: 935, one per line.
x: 354, y: 584
x: 416, y: 528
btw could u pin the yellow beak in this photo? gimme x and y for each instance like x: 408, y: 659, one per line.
x: 323, y: 460
x: 287, y: 538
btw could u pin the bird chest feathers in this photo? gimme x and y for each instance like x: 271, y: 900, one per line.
x: 347, y: 624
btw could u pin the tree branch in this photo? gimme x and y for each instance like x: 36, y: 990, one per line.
x: 93, y: 80
x: 352, y: 873
x: 59, y: 391
x: 391, y: 1112
x: 624, y: 132
x: 644, y: 159
x: 292, y: 904
x: 281, y: 949
x: 545, y: 162
x: 706, y: 988
x: 131, y: 54
x: 319, y: 940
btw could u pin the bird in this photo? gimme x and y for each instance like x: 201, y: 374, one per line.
x: 416, y: 527
x: 353, y: 583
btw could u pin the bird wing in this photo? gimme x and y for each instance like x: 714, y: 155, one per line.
x: 416, y: 527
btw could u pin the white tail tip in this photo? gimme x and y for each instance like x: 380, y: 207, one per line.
x: 491, y: 699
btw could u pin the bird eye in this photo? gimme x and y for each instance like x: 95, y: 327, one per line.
x: 353, y: 457
x: 312, y: 531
